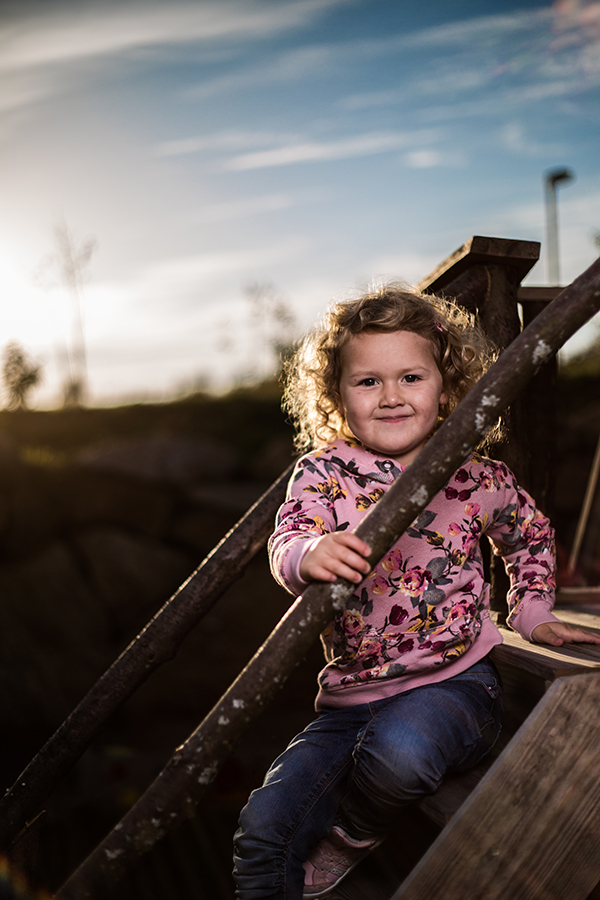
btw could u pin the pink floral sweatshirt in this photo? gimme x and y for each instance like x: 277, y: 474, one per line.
x: 422, y: 615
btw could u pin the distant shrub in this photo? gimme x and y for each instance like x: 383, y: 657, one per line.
x: 19, y: 375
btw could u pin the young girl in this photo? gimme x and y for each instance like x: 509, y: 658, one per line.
x: 408, y: 691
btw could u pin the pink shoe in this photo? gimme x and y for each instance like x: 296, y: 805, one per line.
x: 332, y: 859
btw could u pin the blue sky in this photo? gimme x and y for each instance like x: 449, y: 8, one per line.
x: 311, y: 145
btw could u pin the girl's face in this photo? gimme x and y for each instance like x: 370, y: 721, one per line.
x: 391, y: 390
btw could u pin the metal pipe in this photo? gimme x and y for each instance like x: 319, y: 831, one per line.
x: 552, y: 178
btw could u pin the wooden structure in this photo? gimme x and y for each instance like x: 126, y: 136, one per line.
x: 525, y: 824
x: 485, y: 275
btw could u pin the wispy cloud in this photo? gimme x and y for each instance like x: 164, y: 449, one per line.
x: 242, y: 209
x: 520, y: 140
x: 522, y: 58
x: 313, y: 60
x: 74, y: 32
x: 313, y: 151
x: 429, y: 158
x: 227, y: 141
x: 576, y: 23
x: 190, y: 277
x: 300, y: 63
x: 477, y: 31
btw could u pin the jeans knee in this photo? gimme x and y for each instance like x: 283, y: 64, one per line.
x: 259, y: 824
x: 399, y: 771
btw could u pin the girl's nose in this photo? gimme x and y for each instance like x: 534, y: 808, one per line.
x: 391, y: 396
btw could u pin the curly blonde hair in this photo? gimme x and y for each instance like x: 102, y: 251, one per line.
x: 312, y: 374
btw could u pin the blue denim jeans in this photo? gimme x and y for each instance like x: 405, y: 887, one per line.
x: 358, y: 766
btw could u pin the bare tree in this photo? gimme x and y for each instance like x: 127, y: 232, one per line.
x: 19, y: 375
x: 272, y: 325
x: 67, y: 268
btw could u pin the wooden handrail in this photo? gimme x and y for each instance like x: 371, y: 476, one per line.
x: 174, y: 794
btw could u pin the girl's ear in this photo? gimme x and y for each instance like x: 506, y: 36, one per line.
x: 444, y: 398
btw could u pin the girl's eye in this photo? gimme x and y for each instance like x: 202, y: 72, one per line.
x: 368, y: 382
x: 411, y: 379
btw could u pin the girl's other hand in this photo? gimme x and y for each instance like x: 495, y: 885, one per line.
x: 337, y: 555
x: 559, y: 633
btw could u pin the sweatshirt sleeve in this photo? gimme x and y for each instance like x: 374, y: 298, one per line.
x: 306, y: 514
x: 524, y: 538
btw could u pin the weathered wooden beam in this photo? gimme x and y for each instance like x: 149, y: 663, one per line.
x: 546, y: 662
x: 156, y: 644
x: 538, y: 293
x: 531, y: 828
x: 490, y: 289
x: 484, y: 276
x: 173, y: 796
x: 586, y: 594
x: 520, y: 256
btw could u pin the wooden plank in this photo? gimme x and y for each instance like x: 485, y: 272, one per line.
x: 547, y: 662
x: 531, y: 829
x: 452, y: 793
x: 519, y: 255
x: 588, y: 619
x: 576, y: 595
x: 544, y: 293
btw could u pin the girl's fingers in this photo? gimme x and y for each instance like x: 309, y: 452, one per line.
x: 350, y: 566
x: 558, y: 633
x: 581, y: 636
x: 344, y: 572
x: 358, y: 545
x: 336, y: 555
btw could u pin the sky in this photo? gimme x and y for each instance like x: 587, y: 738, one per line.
x: 225, y: 169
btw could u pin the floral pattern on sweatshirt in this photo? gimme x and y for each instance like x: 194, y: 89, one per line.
x: 424, y: 604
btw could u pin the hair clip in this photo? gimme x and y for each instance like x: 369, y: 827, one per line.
x: 438, y: 325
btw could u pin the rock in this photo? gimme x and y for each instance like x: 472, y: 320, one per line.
x: 164, y: 457
x: 130, y: 576
x: 90, y: 497
x: 54, y: 638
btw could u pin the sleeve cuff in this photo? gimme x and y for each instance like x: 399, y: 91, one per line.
x: 533, y: 614
x: 293, y: 561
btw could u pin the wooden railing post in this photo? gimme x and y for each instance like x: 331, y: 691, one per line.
x: 180, y: 785
x: 484, y: 276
